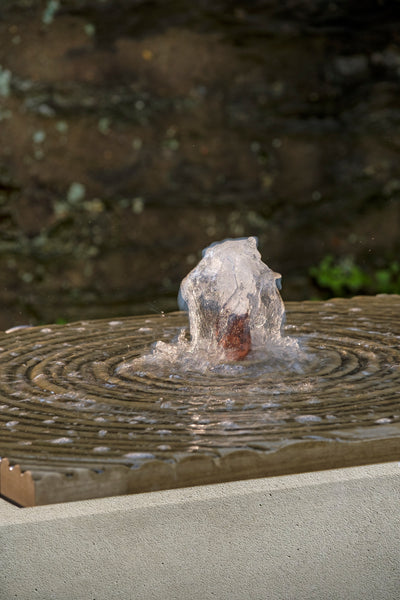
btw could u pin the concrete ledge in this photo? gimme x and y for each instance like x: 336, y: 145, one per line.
x: 323, y: 535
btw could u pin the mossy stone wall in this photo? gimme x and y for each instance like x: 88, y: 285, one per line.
x: 135, y: 133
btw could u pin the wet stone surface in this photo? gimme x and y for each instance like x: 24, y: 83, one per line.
x: 70, y: 397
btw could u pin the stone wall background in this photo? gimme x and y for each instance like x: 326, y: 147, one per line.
x: 134, y: 133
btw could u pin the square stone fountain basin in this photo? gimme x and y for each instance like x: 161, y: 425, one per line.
x: 281, y: 507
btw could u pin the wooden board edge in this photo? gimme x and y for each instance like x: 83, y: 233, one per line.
x: 16, y: 485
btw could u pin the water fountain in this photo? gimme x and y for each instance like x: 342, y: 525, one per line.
x: 106, y: 408
x: 92, y: 409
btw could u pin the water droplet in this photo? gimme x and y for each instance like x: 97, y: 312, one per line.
x: 308, y: 419
x: 17, y: 328
x: 101, y: 449
x: 163, y: 447
x: 229, y: 425
x: 137, y: 457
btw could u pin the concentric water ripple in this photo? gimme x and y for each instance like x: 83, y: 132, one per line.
x: 68, y: 396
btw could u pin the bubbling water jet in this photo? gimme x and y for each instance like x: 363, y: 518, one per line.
x: 233, y: 300
x: 236, y: 317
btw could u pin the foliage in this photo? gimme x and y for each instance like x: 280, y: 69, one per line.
x: 343, y: 277
x: 388, y: 280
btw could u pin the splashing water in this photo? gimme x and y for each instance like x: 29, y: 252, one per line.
x: 235, y: 312
x: 233, y: 299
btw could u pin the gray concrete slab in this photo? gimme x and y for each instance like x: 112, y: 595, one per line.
x: 324, y: 535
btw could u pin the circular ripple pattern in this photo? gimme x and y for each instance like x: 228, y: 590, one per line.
x: 67, y: 395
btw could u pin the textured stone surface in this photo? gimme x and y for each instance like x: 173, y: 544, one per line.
x: 133, y: 134
x: 330, y: 534
x: 86, y: 422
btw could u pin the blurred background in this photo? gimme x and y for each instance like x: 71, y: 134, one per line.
x: 133, y: 133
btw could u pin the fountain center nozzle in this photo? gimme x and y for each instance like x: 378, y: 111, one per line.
x: 233, y: 299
